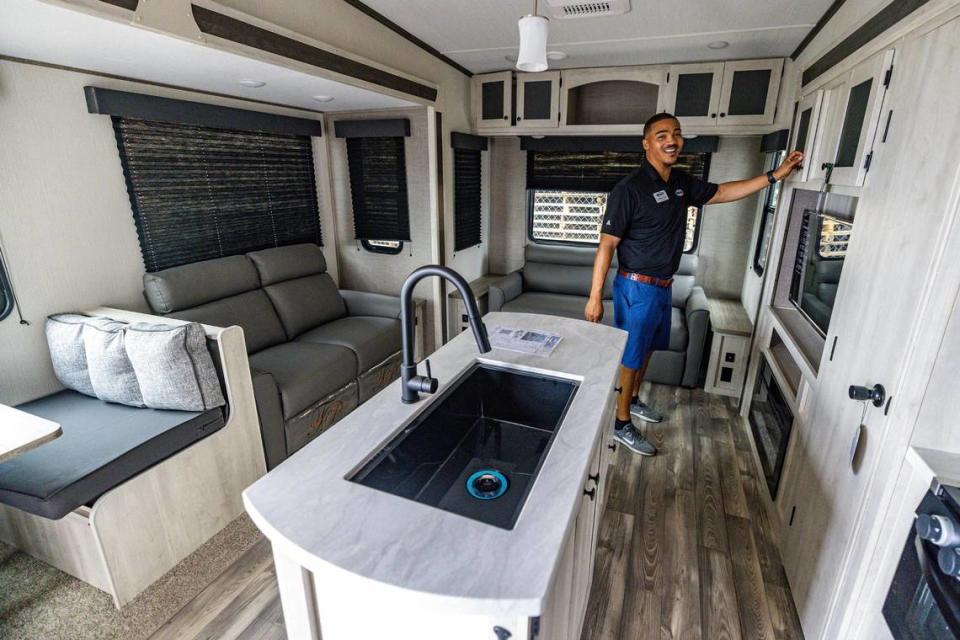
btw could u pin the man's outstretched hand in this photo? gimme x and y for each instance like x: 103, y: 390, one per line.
x: 793, y: 161
x: 594, y: 310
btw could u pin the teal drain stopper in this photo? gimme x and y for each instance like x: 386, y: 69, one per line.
x: 487, y: 484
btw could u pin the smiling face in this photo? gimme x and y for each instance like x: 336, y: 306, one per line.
x: 663, y: 142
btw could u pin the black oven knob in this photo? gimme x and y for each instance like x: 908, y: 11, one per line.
x: 949, y: 561
x: 938, y: 530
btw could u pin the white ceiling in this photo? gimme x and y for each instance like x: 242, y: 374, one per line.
x: 480, y: 34
x: 47, y: 33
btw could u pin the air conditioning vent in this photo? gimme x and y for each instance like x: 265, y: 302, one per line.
x: 566, y: 9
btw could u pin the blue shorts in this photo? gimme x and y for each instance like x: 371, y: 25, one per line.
x: 643, y: 311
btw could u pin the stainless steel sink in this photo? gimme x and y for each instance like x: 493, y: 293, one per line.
x: 477, y: 449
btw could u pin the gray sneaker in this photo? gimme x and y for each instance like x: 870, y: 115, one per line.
x: 645, y: 412
x: 632, y: 439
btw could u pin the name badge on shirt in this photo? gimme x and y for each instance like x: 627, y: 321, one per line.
x: 661, y: 196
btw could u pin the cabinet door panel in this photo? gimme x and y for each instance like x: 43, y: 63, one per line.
x: 693, y: 92
x: 807, y: 134
x: 538, y: 99
x: 856, y: 118
x: 493, y: 99
x: 598, y: 99
x: 749, y: 92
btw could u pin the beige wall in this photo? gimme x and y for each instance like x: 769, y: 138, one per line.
x: 508, y: 210
x: 65, y: 218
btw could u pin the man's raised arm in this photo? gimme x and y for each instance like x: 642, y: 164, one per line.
x: 601, y: 265
x: 730, y: 191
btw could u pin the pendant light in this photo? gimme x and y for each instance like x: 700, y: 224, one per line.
x: 533, y: 42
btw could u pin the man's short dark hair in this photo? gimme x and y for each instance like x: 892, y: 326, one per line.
x: 655, y: 119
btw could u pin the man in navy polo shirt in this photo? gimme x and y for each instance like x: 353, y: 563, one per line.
x: 645, y: 222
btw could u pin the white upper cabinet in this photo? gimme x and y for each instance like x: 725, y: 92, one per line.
x: 613, y: 99
x: 693, y: 93
x: 493, y: 99
x: 538, y: 100
x: 807, y: 134
x: 853, y: 107
x: 724, y: 93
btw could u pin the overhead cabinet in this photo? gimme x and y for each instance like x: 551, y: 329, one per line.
x: 493, y: 100
x: 807, y: 134
x: 610, y: 99
x: 853, y: 110
x: 538, y: 98
x: 743, y: 92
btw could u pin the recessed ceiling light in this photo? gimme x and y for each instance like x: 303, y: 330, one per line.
x: 323, y: 98
x: 718, y: 44
x: 556, y: 55
x: 252, y: 84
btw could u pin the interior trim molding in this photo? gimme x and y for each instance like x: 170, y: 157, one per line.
x: 700, y: 144
x: 467, y: 141
x: 392, y: 128
x: 223, y: 26
x: 821, y: 23
x: 886, y: 18
x: 140, y: 106
x: 151, y: 83
x: 393, y: 26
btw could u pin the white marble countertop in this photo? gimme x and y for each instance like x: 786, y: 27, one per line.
x: 21, y: 431
x: 393, y: 547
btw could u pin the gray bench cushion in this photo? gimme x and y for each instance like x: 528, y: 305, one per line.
x: 252, y: 311
x: 555, y: 304
x: 305, y: 373
x: 102, y: 446
x: 371, y: 339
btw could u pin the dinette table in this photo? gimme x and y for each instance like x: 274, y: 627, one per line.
x: 21, y: 431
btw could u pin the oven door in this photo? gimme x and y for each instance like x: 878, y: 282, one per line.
x: 923, y: 603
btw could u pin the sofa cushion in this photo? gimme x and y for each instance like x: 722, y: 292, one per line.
x: 555, y: 304
x: 305, y: 373
x: 65, y: 341
x: 111, y: 372
x: 371, y: 339
x: 286, y: 263
x: 679, y: 335
x: 102, y: 446
x: 546, y: 277
x: 173, y: 366
x: 190, y: 285
x: 305, y: 303
x: 252, y: 311
x: 684, y: 280
x: 560, y: 254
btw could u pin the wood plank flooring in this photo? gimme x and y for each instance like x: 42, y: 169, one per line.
x: 685, y: 550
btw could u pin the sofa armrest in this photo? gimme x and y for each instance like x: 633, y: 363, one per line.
x: 698, y: 318
x: 365, y: 303
x: 504, y: 290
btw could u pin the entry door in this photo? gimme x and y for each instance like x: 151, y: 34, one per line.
x: 880, y: 305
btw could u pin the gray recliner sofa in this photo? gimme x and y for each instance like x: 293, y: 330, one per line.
x: 315, y: 352
x: 555, y: 280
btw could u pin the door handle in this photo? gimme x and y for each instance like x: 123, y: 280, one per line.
x: 877, y: 394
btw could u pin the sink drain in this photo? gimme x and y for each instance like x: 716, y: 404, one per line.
x: 487, y: 484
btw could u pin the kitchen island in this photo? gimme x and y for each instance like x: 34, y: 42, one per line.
x: 359, y: 562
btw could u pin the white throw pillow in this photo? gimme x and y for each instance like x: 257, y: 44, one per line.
x: 111, y: 372
x: 65, y: 341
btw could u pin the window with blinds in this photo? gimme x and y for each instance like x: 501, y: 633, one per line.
x: 199, y: 193
x: 567, y: 192
x: 378, y: 188
x: 466, y: 191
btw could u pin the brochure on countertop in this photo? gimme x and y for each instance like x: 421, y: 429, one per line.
x: 540, y: 343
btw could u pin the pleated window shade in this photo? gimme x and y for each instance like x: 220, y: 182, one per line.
x: 596, y: 171
x: 466, y: 193
x: 199, y: 193
x: 378, y: 188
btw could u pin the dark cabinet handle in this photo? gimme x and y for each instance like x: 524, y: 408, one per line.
x: 519, y: 118
x: 723, y: 115
x: 506, y: 117
x: 592, y: 493
x: 713, y: 115
x: 595, y: 478
x: 612, y: 446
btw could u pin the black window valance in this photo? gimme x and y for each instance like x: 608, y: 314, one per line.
x: 595, y: 170
x: 378, y: 188
x: 199, y: 193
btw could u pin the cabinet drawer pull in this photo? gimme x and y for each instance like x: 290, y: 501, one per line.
x: 595, y: 478
x: 592, y: 493
x: 713, y: 115
x: 612, y: 446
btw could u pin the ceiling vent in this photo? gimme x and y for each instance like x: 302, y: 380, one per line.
x: 565, y: 9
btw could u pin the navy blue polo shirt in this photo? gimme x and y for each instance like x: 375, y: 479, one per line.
x: 650, y: 217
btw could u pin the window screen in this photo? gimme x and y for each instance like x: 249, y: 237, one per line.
x: 199, y: 193
x: 573, y: 214
x: 466, y: 192
x: 378, y: 188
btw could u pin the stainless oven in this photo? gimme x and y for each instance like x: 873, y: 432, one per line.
x: 924, y: 597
